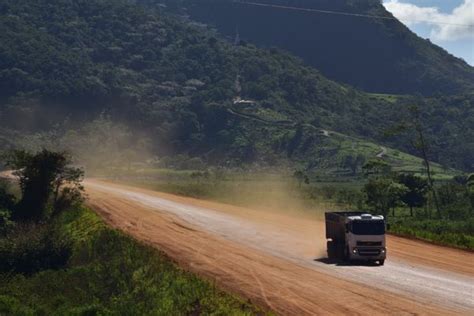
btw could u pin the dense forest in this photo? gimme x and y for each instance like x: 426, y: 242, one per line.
x: 64, y: 63
x: 375, y: 55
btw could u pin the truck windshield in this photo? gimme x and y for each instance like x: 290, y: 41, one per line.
x: 368, y: 227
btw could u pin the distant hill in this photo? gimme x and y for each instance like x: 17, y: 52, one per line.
x: 374, y: 55
x: 64, y: 63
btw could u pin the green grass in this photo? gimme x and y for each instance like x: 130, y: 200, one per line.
x: 109, y: 273
x: 459, y: 234
x: 399, y: 161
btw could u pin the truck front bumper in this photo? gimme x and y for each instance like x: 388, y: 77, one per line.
x: 368, y: 253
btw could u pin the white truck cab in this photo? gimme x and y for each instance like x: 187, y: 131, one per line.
x: 356, y: 236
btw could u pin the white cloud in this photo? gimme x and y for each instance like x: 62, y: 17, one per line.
x: 444, y: 27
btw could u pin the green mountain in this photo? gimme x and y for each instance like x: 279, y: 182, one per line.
x: 375, y: 55
x: 189, y: 91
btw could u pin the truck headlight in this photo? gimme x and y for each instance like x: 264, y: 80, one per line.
x: 354, y: 251
x: 383, y: 250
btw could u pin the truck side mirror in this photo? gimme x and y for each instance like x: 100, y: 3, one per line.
x: 347, y: 228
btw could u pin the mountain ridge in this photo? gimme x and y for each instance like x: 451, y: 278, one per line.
x: 375, y: 55
x: 69, y: 62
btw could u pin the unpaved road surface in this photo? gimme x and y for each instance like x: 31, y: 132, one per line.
x: 277, y: 260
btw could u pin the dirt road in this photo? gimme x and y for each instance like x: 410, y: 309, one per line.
x: 276, y: 260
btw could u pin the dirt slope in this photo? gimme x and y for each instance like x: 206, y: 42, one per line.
x: 272, y: 259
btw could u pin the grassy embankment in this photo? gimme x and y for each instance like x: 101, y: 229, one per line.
x: 284, y: 194
x: 107, y: 273
x: 458, y: 234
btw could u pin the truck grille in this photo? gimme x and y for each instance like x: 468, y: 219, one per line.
x: 369, y: 243
x: 369, y: 252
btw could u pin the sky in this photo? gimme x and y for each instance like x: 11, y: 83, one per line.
x: 447, y: 23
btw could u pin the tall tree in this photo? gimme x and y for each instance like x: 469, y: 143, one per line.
x: 416, y: 190
x: 470, y: 185
x: 467, y: 182
x: 301, y: 177
x: 421, y: 145
x: 412, y: 125
x: 384, y: 194
x: 354, y: 163
x: 44, y: 176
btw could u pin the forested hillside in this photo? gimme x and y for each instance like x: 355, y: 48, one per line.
x: 375, y: 55
x: 64, y: 63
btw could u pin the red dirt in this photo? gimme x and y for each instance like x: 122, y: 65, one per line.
x: 290, y: 283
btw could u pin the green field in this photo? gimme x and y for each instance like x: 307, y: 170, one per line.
x: 398, y: 160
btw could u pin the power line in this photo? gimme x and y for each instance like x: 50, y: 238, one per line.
x: 344, y: 13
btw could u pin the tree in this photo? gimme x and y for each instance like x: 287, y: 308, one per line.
x: 413, y: 125
x: 7, y: 200
x: 5, y: 223
x: 384, y: 194
x: 377, y: 168
x: 354, y: 163
x: 417, y: 189
x: 421, y: 144
x: 467, y: 182
x: 295, y: 141
x: 470, y: 186
x: 301, y: 177
x: 47, y: 181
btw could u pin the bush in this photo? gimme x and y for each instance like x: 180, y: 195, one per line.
x: 11, y: 306
x: 452, y: 233
x: 7, y: 200
x: 109, y: 274
x: 30, y: 248
x: 6, y: 224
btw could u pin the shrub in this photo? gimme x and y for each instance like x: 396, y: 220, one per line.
x: 11, y: 306
x: 454, y: 233
x: 30, y: 248
x: 6, y: 224
x: 112, y: 274
x: 7, y: 200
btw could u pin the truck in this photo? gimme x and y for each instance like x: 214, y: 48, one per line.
x: 356, y: 236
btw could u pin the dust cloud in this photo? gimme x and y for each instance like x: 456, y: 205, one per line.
x: 100, y: 146
x: 110, y: 150
x: 277, y: 203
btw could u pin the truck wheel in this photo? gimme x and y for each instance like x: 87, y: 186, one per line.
x: 381, y: 262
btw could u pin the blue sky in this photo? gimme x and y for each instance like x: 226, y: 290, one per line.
x: 457, y: 39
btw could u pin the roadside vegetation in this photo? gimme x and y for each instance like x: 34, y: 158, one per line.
x: 405, y: 198
x: 59, y: 258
